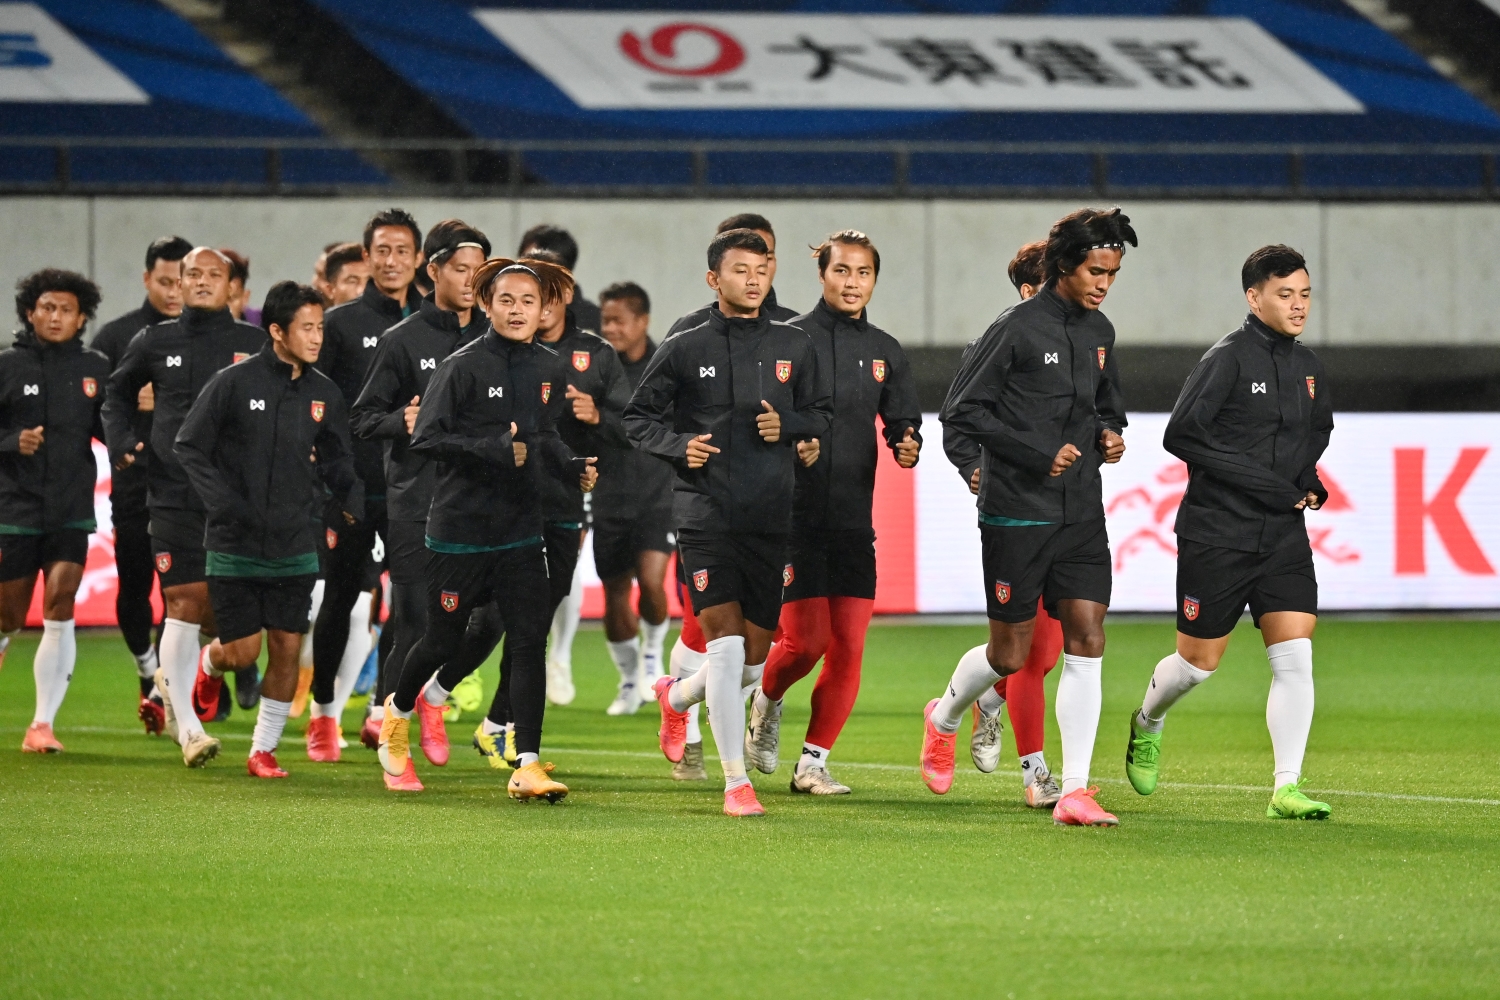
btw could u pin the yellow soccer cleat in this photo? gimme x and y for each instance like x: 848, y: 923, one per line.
x: 492, y: 747
x: 395, y: 740
x: 534, y: 781
x: 304, y: 688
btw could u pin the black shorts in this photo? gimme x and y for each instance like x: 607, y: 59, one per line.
x: 562, y: 546
x: 830, y: 564
x: 460, y: 582
x: 244, y: 605
x: 349, y: 550
x: 721, y: 567
x: 1214, y: 584
x: 177, y: 546
x: 406, y: 552
x: 618, y: 541
x: 22, y: 556
x: 1054, y: 562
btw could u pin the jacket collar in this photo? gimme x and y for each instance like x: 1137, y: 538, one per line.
x: 150, y: 314
x: 570, y: 330
x: 1059, y: 306
x: 205, y: 321
x: 737, y: 325
x: 497, y: 344
x: 26, y: 337
x: 267, y: 354
x: 1272, y: 340
x: 830, y: 318
x: 440, y: 318
x: 387, y: 306
x: 767, y: 304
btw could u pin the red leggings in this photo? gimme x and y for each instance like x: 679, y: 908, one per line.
x: 1023, y: 691
x: 810, y: 628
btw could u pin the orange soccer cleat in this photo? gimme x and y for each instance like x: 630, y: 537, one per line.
x: 40, y: 739
x: 534, y: 781
x: 1078, y: 808
x: 262, y: 764
x: 741, y: 801
x: 937, y: 753
x: 673, y: 732
x: 406, y: 781
x: 434, y: 738
x: 323, y: 739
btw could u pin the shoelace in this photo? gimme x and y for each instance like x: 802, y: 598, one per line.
x: 942, y: 751
x: 1144, y: 752
x: 989, y: 733
x: 399, y: 743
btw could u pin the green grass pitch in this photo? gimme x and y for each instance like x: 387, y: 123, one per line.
x: 122, y: 873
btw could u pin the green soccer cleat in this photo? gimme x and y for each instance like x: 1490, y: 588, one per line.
x: 1142, y: 754
x: 1288, y: 802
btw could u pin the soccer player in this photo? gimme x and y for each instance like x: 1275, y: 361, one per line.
x: 1023, y: 690
x: 239, y: 285
x: 259, y: 443
x: 488, y: 425
x: 769, y: 306
x: 724, y: 403
x: 389, y: 254
x: 178, y: 357
x: 555, y: 239
x: 347, y: 272
x: 386, y: 411
x: 50, y: 394
x: 633, y: 521
x: 135, y: 571
x: 829, y: 576
x: 1040, y: 394
x: 1251, y: 423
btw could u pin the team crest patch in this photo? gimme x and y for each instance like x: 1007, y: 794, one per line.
x: 91, y: 387
x: 1190, y: 608
x: 546, y: 393
x: 331, y: 538
x: 1101, y: 359
x: 788, y: 575
x: 1312, y: 387
x: 1002, y: 591
x: 877, y: 368
x: 450, y: 600
x: 163, y: 562
x: 240, y: 356
x: 700, y: 580
x: 318, y: 409
x: 581, y: 360
x: 783, y: 370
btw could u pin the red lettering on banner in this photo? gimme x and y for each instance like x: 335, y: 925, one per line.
x: 1413, y: 512
x: 661, y: 57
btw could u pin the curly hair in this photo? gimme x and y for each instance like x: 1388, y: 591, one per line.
x: 1077, y: 233
x: 54, y: 279
x: 554, y: 280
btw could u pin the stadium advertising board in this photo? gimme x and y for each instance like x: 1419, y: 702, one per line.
x: 948, y: 63
x: 42, y: 61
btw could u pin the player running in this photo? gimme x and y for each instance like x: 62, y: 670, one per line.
x: 1251, y: 423
x: 769, y: 307
x: 258, y: 445
x: 547, y: 238
x: 346, y: 272
x: 488, y: 424
x: 1023, y: 690
x: 633, y: 536
x: 50, y: 395
x: 178, y: 358
x: 829, y: 576
x: 135, y: 572
x: 1040, y: 394
x: 725, y: 402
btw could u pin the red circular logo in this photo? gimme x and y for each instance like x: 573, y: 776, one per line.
x: 660, y: 54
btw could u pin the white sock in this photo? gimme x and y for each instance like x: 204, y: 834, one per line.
x: 1289, y: 708
x: 691, y: 689
x: 726, y: 706
x: 434, y: 693
x: 269, y: 724
x: 206, y: 662
x: 491, y: 728
x: 990, y: 703
x: 52, y: 666
x: 812, y: 756
x: 653, y: 638
x: 970, y: 679
x: 400, y: 714
x: 565, y: 621
x: 1173, y: 678
x: 685, y: 663
x: 146, y: 663
x: 1031, y: 765
x: 356, y: 652
x: 1080, y: 692
x: 750, y: 678
x: 522, y: 759
x: 627, y: 657
x: 763, y: 704
x: 377, y: 710
x: 305, y: 652
x: 179, y: 667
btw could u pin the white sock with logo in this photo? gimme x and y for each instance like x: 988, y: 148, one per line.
x: 179, y: 667
x: 1289, y: 707
x: 1172, y: 678
x: 812, y: 756
x: 1032, y: 765
x: 626, y: 655
x: 269, y: 725
x: 1080, y: 693
x: 970, y: 679
x: 726, y: 706
x: 52, y: 667
x: 653, y: 640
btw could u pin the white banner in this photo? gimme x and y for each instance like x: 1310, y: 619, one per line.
x: 42, y: 61
x: 1412, y: 519
x: 663, y: 60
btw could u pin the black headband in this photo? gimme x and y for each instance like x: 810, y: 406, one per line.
x: 453, y: 249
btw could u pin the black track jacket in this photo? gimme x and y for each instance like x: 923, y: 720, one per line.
x: 587, y: 362
x: 127, y: 487
x: 711, y: 380
x: 869, y: 375
x: 178, y: 357
x: 480, y: 500
x: 1251, y: 423
x: 258, y: 446
x: 351, y: 333
x: 59, y: 387
x: 631, y: 481
x: 405, y: 359
x: 768, y: 307
x: 1041, y: 376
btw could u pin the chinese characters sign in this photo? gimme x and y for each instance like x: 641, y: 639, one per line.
x: 991, y: 63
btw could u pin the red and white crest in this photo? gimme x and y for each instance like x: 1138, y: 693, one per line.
x: 331, y: 538
x: 877, y: 368
x: 450, y: 600
x: 240, y: 356
x: 1312, y: 387
x: 581, y: 360
x: 318, y: 409
x: 90, y: 387
x: 700, y: 580
x: 163, y: 562
x: 546, y: 393
x: 783, y: 370
x: 1190, y: 608
x: 1101, y: 359
x: 788, y: 575
x: 1002, y: 591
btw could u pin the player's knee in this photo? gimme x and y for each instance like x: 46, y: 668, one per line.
x: 1088, y: 642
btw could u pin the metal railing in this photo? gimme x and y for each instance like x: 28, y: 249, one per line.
x: 517, y: 168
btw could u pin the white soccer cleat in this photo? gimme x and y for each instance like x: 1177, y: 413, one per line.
x: 160, y: 680
x: 627, y: 699
x: 560, y: 690
x: 763, y: 736
x: 199, y: 749
x: 1043, y: 792
x: 984, y: 744
x: 817, y: 781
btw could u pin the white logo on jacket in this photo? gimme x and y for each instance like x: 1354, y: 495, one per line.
x: 706, y: 372
x: 371, y: 341
x: 174, y: 360
x: 497, y: 391
x: 428, y: 363
x: 1257, y: 387
x: 31, y: 390
x: 1049, y: 359
x: 257, y: 404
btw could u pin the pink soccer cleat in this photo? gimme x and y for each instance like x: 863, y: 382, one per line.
x: 407, y: 781
x: 206, y: 689
x: 262, y: 764
x: 434, y: 739
x: 741, y: 801
x: 40, y: 739
x: 1078, y: 808
x: 673, y: 732
x: 153, y: 713
x: 937, y: 753
x: 323, y: 740
x: 369, y: 733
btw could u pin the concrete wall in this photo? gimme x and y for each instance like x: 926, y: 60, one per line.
x: 1383, y: 274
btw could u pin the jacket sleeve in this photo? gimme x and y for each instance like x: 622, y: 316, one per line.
x: 11, y: 442
x: 1317, y: 442
x: 438, y: 432
x: 1190, y: 436
x: 649, y: 415
x: 610, y: 431
x: 336, y: 458
x: 1109, y: 397
x: 974, y: 398
x: 812, y: 400
x: 899, y: 406
x: 120, y: 396
x: 379, y: 414
x: 197, y: 442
